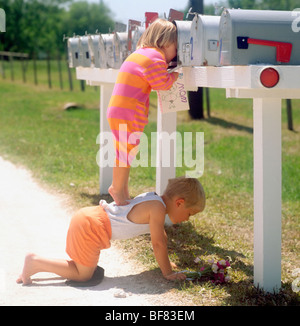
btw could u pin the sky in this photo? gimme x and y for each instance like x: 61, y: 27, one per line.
x: 123, y: 10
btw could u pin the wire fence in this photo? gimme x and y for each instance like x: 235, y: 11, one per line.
x: 51, y: 71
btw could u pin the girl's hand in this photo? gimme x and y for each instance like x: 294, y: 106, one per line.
x: 176, y: 74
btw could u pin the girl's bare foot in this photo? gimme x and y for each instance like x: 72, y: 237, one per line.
x: 28, y: 270
x: 118, y: 196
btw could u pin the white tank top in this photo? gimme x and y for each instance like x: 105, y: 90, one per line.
x: 121, y: 227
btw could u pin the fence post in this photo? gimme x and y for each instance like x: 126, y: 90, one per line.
x: 2, y: 67
x: 49, y: 71
x: 23, y: 70
x: 289, y: 114
x: 34, y: 69
x: 11, y: 63
x: 59, y: 71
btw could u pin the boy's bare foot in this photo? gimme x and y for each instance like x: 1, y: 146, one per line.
x: 28, y: 270
x: 118, y: 196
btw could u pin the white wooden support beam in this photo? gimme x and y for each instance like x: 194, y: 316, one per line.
x: 166, y: 131
x: 267, y: 194
x: 106, y: 171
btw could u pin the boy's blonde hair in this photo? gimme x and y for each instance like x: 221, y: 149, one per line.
x: 189, y: 189
x: 159, y: 34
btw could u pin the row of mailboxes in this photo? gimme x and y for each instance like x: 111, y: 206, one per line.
x: 237, y: 37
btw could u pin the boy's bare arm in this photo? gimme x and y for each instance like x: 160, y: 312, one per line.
x: 159, y: 242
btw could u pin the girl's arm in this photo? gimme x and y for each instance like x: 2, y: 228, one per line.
x: 158, y: 77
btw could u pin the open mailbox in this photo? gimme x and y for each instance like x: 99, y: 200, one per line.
x: 183, y: 42
x: 258, y: 37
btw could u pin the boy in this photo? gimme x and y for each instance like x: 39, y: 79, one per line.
x: 92, y: 228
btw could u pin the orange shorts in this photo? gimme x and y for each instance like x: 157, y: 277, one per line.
x: 89, y: 232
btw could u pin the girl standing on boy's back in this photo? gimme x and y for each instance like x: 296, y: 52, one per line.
x: 127, y: 114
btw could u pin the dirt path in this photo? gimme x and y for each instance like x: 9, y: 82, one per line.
x: 33, y: 220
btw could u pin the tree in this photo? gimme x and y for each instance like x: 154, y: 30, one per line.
x: 87, y: 17
x: 38, y: 26
x: 265, y: 4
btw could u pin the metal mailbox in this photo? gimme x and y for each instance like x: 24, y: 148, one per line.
x: 97, y: 61
x: 184, y: 47
x: 107, y: 50
x: 85, y: 51
x: 258, y: 37
x: 136, y: 35
x: 120, y: 48
x: 205, y: 40
x: 73, y: 52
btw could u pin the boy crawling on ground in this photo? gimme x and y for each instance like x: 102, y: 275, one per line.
x: 92, y: 228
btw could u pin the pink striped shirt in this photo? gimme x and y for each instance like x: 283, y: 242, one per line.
x: 142, y: 71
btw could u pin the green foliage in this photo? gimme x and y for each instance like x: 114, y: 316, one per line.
x: 265, y: 4
x: 35, y: 26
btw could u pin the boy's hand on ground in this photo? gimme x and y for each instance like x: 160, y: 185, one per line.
x: 176, y: 277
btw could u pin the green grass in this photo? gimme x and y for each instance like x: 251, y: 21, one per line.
x: 60, y: 148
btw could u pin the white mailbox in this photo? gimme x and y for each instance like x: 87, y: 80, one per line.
x: 107, y: 50
x: 85, y: 51
x: 184, y: 47
x: 136, y: 35
x: 258, y: 37
x: 73, y: 52
x: 120, y: 48
x: 205, y: 40
x: 97, y: 60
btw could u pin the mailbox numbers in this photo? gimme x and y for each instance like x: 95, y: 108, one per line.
x: 296, y: 21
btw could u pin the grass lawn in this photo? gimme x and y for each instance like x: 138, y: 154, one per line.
x: 60, y: 148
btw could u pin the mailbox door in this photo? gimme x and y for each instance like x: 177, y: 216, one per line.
x: 120, y: 48
x: 109, y: 50
x: 102, y: 53
x: 95, y: 42
x: 73, y: 52
x: 184, y: 42
x: 211, y: 43
x: 85, y: 53
x: 205, y: 40
x: 138, y: 32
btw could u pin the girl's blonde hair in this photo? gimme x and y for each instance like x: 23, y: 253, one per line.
x: 159, y: 34
x: 190, y: 189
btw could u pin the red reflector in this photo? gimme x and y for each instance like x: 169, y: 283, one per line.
x: 269, y: 77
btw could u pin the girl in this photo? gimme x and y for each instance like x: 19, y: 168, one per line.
x: 142, y: 71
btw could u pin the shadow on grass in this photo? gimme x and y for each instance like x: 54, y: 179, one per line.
x: 95, y: 198
x: 229, y: 125
x: 187, y: 244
